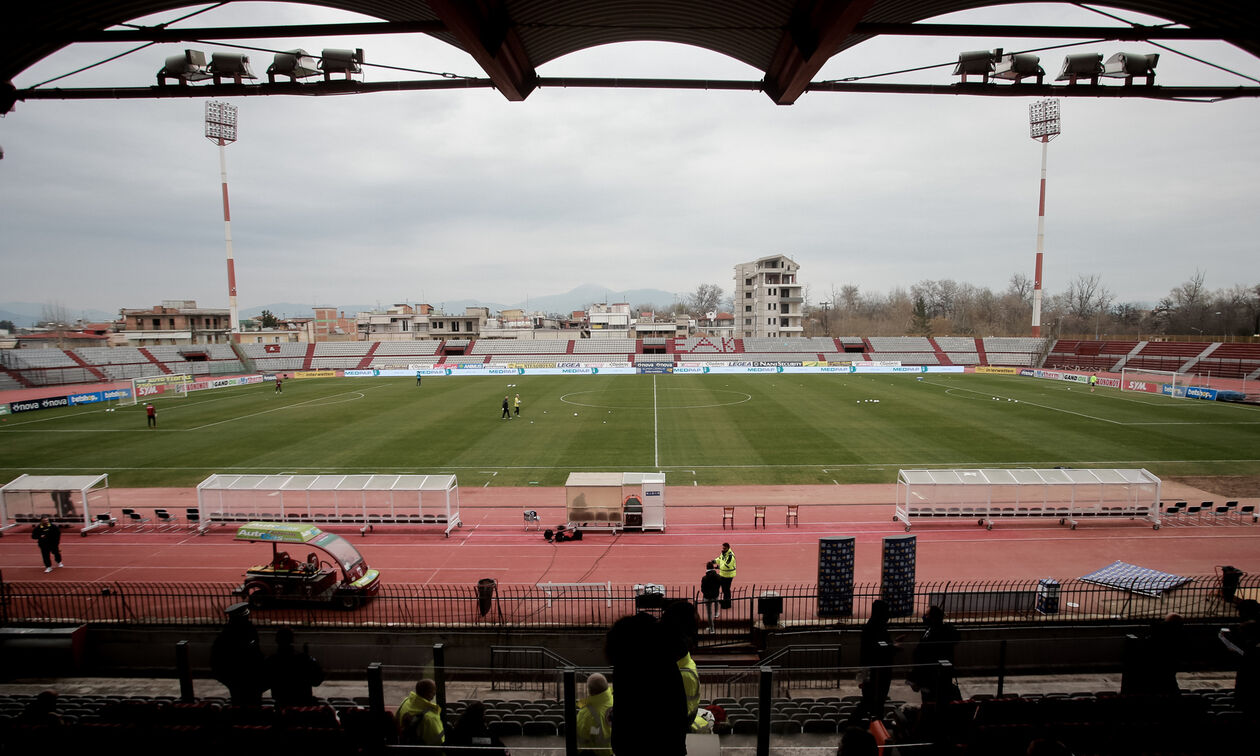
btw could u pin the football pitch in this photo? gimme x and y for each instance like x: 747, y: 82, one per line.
x: 698, y: 429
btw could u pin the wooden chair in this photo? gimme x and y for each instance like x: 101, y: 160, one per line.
x: 759, y: 516
x: 728, y: 515
x: 791, y: 515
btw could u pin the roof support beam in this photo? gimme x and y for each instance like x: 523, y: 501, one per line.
x: 485, y: 32
x: 814, y: 33
x: 191, y: 34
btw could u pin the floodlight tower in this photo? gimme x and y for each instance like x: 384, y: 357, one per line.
x: 1043, y: 121
x: 221, y: 128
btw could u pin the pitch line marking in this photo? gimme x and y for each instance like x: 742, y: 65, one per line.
x: 656, y: 438
x: 448, y: 470
x: 354, y: 396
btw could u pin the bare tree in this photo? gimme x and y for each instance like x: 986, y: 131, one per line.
x: 1021, y: 286
x: 705, y: 299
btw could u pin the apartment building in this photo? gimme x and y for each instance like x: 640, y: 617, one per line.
x: 769, y: 299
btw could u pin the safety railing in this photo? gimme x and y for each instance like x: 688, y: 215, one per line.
x: 524, y: 606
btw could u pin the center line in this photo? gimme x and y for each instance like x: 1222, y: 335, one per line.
x: 656, y: 441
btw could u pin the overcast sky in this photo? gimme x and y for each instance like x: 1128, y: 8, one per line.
x: 441, y: 196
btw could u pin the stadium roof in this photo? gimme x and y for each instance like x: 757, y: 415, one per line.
x: 787, y: 40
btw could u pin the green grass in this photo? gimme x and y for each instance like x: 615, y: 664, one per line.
x: 710, y: 429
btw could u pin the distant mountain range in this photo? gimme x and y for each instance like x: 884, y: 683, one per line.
x: 28, y: 313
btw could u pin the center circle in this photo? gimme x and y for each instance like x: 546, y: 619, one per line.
x: 742, y: 397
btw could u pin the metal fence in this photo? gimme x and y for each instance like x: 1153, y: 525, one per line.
x: 528, y: 606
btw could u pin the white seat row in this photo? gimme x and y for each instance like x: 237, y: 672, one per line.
x: 1013, y: 344
x: 326, y: 363
x: 963, y: 358
x: 41, y: 358
x: 406, y: 347
x: 514, y: 346
x: 956, y: 343
x: 907, y: 358
x: 110, y: 355
x: 287, y: 349
x: 1023, y: 359
x: 342, y: 348
x: 900, y: 344
x: 805, y: 345
x: 604, y: 346
x: 279, y: 363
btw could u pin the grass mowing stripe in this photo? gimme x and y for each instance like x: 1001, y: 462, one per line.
x: 728, y: 429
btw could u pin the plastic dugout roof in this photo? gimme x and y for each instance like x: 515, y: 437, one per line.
x: 1027, y: 476
x: 54, y: 482
x: 366, y: 482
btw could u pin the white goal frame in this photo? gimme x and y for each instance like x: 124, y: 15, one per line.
x: 166, y: 386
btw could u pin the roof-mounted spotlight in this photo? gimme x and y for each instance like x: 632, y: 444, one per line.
x: 233, y: 66
x: 1019, y: 66
x: 296, y: 64
x: 189, y: 67
x: 341, y: 61
x: 976, y: 63
x: 1081, y: 66
x: 1129, y: 66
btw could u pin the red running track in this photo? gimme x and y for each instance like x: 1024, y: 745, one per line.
x: 492, y: 543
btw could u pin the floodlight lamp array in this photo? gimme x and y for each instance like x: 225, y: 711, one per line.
x: 1077, y: 68
x: 1043, y: 119
x: 220, y: 121
x: 191, y: 66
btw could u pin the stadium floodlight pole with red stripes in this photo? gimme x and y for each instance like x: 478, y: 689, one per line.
x: 221, y: 128
x: 1043, y: 121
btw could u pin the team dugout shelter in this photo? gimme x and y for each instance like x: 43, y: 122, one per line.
x: 993, y: 494
x: 362, y: 500
x: 66, y: 500
x: 615, y: 501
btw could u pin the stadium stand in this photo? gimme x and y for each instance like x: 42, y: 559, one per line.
x: 1230, y: 361
x: 1197, y: 721
x: 463, y: 359
x: 501, y: 347
x: 342, y: 348
x: 806, y: 345
x: 881, y: 344
x: 605, y: 346
x: 417, y: 348
x: 705, y: 345
x: 908, y: 358
x: 653, y: 359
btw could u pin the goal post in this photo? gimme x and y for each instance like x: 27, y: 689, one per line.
x: 1167, y: 382
x: 148, y: 388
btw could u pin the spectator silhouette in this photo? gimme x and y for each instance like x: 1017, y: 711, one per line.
x: 650, y: 715
x: 875, y: 655
x: 1243, y: 640
x: 42, y: 711
x: 236, y: 659
x: 938, y: 643
x: 292, y: 674
x: 472, y: 732
x: 1151, y: 668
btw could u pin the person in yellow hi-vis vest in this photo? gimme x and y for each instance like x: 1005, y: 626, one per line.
x: 726, y: 573
x: 594, y: 730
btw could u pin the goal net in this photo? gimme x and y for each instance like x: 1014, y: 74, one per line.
x: 157, y: 387
x: 1164, y: 382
